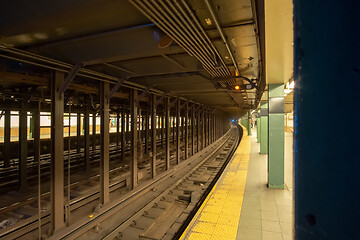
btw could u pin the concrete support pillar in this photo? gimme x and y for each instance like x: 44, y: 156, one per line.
x: 276, y: 136
x: 123, y: 135
x: 78, y: 130
x: 104, y: 143
x: 87, y: 139
x: 264, y: 112
x: 167, y: 133
x: 7, y: 135
x: 177, y: 131
x: 57, y: 155
x: 153, y: 135
x: 192, y: 130
x: 186, y: 123
x: 134, y: 139
x: 23, y: 148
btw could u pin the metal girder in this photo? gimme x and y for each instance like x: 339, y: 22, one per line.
x: 74, y: 70
x: 119, y: 68
x: 173, y: 61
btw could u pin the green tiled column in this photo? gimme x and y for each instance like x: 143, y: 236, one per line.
x: 264, y: 128
x: 258, y: 127
x: 276, y: 136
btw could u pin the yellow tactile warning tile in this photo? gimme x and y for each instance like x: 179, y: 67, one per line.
x: 218, y: 217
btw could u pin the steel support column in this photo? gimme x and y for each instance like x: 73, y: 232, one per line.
x: 57, y: 154
x: 203, y: 129
x: 186, y: 130
x: 117, y: 128
x: 78, y: 130
x: 128, y: 127
x: 162, y: 129
x: 94, y: 132
x: 23, y: 148
x: 198, y: 131
x: 153, y: 135
x: 104, y: 143
x: 7, y: 136
x: 123, y: 135
x: 36, y: 134
x: 177, y: 131
x: 134, y: 139
x: 87, y: 139
x: 167, y: 133
x: 146, y: 122
x: 192, y: 130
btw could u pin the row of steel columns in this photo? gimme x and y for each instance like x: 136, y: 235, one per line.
x: 205, y: 128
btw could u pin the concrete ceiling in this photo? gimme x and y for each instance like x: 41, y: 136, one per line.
x: 115, y: 38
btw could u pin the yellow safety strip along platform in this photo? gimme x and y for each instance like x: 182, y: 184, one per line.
x: 218, y: 217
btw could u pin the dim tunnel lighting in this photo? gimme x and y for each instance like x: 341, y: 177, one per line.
x: 237, y: 87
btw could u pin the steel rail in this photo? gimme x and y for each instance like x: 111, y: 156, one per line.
x: 86, y: 224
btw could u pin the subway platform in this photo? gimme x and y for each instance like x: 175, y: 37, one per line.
x: 241, y: 206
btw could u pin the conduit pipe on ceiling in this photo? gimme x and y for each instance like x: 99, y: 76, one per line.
x: 221, y: 33
x: 177, y: 29
x: 174, y: 21
x: 207, y: 3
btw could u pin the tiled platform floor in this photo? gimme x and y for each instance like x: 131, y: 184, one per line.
x: 266, y: 213
x: 241, y: 206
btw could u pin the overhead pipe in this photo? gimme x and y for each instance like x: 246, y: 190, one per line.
x: 203, y: 32
x: 207, y: 3
x: 162, y: 21
x: 193, y: 30
x: 166, y: 17
x: 221, y: 33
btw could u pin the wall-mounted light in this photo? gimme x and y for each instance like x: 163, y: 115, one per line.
x: 237, y: 87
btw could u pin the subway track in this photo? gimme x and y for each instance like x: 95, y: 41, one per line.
x: 9, y: 177
x: 23, y: 216
x: 171, y: 192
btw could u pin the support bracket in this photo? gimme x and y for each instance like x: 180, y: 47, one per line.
x: 119, y: 83
x: 70, y: 77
